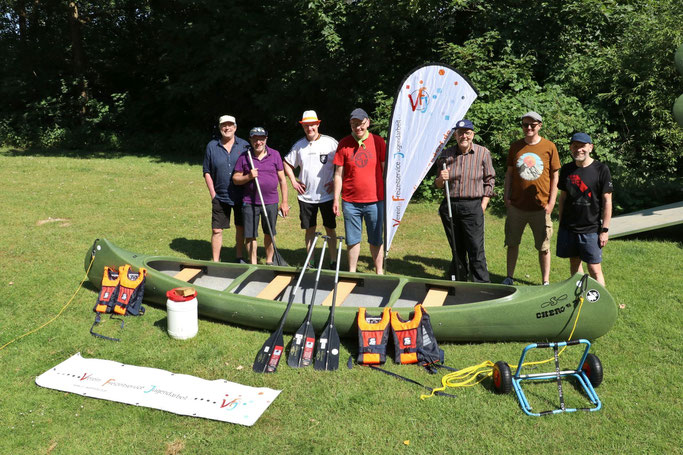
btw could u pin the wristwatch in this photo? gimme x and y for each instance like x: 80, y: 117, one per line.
x: 604, y: 229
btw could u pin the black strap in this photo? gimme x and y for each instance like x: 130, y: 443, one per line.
x: 374, y: 367
x: 97, y: 321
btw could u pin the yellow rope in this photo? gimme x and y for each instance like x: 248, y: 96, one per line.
x: 471, y: 376
x: 58, y: 314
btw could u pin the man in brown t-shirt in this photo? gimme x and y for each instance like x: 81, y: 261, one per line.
x: 530, y: 193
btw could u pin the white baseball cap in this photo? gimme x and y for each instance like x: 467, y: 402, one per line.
x: 227, y: 118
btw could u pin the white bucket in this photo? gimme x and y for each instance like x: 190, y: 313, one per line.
x: 181, y: 315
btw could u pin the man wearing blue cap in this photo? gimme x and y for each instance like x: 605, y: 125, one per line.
x: 585, y: 208
x: 470, y: 176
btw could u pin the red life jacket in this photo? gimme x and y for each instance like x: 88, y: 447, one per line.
x: 414, y: 340
x: 373, y: 336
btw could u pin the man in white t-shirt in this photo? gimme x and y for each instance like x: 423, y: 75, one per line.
x: 314, y: 156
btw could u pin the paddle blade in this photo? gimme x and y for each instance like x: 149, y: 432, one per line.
x: 303, y: 343
x: 268, y: 357
x: 327, y: 350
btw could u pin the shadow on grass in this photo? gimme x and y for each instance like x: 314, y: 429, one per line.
x: 666, y: 234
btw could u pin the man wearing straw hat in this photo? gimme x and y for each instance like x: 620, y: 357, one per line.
x: 314, y: 155
x: 226, y: 197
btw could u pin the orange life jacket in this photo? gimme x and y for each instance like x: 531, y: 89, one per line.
x: 373, y: 337
x: 414, y: 340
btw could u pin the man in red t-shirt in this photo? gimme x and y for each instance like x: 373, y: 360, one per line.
x: 358, y: 179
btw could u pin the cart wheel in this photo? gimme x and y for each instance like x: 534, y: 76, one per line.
x: 593, y: 369
x: 502, y: 377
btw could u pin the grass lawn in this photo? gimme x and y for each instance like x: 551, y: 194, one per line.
x: 54, y: 206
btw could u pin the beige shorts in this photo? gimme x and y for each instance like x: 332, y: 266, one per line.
x: 540, y: 222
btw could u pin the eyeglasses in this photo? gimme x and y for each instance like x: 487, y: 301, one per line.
x: 529, y: 125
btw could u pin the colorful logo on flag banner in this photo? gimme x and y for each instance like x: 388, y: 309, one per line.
x: 429, y: 102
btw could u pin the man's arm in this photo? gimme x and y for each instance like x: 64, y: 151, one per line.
x: 209, y: 185
x: 554, y: 179
x: 563, y: 198
x: 284, y: 205
x: 606, y: 217
x: 507, y: 186
x: 296, y: 184
x: 338, y: 174
x: 240, y: 178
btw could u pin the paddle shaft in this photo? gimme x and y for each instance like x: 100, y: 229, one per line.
x: 329, y: 339
x: 459, y: 272
x: 305, y: 335
x: 269, y: 355
x: 265, y: 212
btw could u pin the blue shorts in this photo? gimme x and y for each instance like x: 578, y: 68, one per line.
x: 355, y: 213
x: 584, y: 246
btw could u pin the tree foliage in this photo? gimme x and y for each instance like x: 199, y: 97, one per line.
x: 157, y: 73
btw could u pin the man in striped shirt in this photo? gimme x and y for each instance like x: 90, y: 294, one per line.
x: 470, y: 176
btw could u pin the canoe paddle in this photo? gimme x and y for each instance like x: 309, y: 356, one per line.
x: 459, y: 273
x: 301, y: 350
x: 327, y: 346
x: 278, y: 258
x: 269, y: 356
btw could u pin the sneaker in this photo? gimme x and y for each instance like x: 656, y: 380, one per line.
x: 508, y: 281
x: 270, y: 263
x: 546, y: 283
x: 240, y: 261
x: 333, y: 265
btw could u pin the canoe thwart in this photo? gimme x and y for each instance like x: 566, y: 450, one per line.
x: 188, y: 273
x: 276, y: 286
x: 344, y: 289
x: 436, y: 296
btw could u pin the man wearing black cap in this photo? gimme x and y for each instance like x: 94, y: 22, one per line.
x: 585, y: 208
x: 358, y: 179
x: 470, y: 176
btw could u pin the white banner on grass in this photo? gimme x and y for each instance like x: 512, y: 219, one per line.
x: 159, y: 389
x: 428, y: 103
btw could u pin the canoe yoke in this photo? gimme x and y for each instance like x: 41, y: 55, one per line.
x: 188, y: 273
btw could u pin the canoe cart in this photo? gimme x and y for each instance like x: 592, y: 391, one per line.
x: 588, y: 374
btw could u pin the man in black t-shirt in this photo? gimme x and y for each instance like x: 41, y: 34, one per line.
x: 585, y: 208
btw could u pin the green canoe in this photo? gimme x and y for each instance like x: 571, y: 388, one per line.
x: 459, y: 311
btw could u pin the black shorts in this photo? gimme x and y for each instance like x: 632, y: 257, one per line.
x: 308, y: 214
x: 220, y: 214
x: 252, y: 213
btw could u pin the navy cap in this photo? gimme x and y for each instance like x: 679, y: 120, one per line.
x: 359, y: 114
x: 466, y: 124
x: 581, y: 137
x: 258, y: 131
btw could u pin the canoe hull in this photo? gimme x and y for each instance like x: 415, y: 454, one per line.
x: 473, y: 312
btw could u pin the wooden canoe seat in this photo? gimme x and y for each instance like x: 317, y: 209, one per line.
x: 275, y: 287
x: 187, y: 273
x: 435, y: 296
x: 344, y: 288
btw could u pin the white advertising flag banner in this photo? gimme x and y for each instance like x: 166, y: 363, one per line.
x: 159, y: 389
x: 428, y: 103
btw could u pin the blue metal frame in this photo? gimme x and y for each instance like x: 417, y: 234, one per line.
x: 579, y: 374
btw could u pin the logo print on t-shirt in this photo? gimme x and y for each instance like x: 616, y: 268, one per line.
x: 579, y: 191
x: 323, y: 159
x: 530, y: 166
x: 361, y: 158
